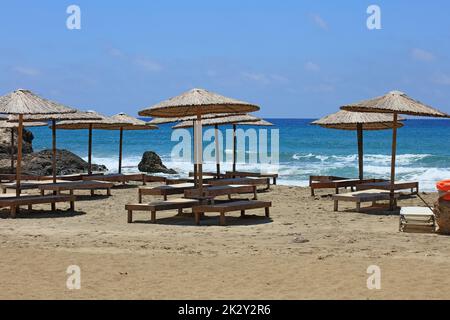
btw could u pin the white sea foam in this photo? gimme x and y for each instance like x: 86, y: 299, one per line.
x: 296, y: 172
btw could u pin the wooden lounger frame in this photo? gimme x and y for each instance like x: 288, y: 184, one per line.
x: 399, y: 185
x: 120, y: 178
x: 15, y: 203
x: 211, y: 192
x: 363, y: 196
x: 78, y: 185
x: 333, y: 182
x: 243, y: 174
x: 153, y: 207
x: 163, y: 191
x: 241, y: 181
x: 223, y: 208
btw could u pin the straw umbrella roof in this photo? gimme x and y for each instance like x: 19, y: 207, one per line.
x: 78, y: 115
x: 102, y: 122
x: 8, y: 125
x: 395, y: 102
x: 26, y: 102
x: 346, y: 120
x: 231, y: 119
x: 197, y: 101
x: 190, y: 118
x: 132, y: 123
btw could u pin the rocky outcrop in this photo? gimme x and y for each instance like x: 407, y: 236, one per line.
x: 152, y: 163
x: 40, y: 163
x: 5, y: 141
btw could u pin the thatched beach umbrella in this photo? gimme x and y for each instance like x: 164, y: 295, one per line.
x: 198, y: 102
x: 103, y: 122
x: 357, y: 121
x: 395, y: 103
x: 245, y: 119
x: 78, y: 115
x: 156, y: 121
x: 132, y: 124
x: 23, y: 102
x: 13, y: 127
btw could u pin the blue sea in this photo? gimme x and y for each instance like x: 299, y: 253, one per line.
x: 304, y: 150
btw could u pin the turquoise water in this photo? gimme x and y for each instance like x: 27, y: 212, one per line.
x: 303, y: 150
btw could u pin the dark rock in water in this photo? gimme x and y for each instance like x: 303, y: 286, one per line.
x: 5, y: 141
x: 151, y: 163
x: 40, y: 163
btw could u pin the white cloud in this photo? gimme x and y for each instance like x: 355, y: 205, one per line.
x: 319, y: 21
x: 148, y: 64
x: 31, y: 72
x: 311, y: 66
x: 422, y: 55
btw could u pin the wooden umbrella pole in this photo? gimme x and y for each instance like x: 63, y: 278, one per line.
x: 216, y: 138
x: 54, y: 150
x: 19, y: 154
x: 194, y: 128
x: 234, y: 147
x: 12, y: 150
x: 90, y: 151
x: 360, y: 151
x: 393, y: 159
x: 199, y: 153
x: 120, y: 149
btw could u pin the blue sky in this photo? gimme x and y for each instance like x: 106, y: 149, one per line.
x: 294, y: 58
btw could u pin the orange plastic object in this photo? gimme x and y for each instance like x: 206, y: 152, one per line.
x: 444, y: 186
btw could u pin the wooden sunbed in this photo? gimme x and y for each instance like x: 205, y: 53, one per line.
x: 15, y: 202
x: 417, y: 219
x: 12, y: 177
x: 241, y: 181
x: 224, y: 208
x: 215, y: 191
x: 165, y: 190
x: 153, y: 207
x: 118, y: 177
x: 27, y: 184
x: 151, y: 178
x: 77, y: 185
x: 359, y: 197
x: 336, y: 183
x: 206, y: 178
x: 209, y: 174
x: 386, y: 185
x: 243, y: 174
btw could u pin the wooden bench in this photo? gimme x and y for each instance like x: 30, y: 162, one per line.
x: 359, y: 197
x: 78, y: 185
x: 386, y: 185
x: 211, y: 192
x: 153, y: 207
x: 15, y: 203
x: 151, y: 178
x: 164, y: 191
x: 27, y: 185
x: 206, y: 179
x: 118, y: 177
x: 243, y: 174
x: 336, y: 183
x: 223, y: 208
x: 252, y: 181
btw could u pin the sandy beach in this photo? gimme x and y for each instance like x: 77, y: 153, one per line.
x: 306, y: 252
